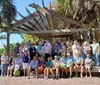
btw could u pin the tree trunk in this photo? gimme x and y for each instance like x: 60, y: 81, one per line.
x: 8, y: 44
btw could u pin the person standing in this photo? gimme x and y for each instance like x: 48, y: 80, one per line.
x: 47, y: 49
x: 16, y: 49
x: 4, y: 64
x: 95, y: 47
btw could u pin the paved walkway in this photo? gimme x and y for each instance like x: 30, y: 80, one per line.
x: 41, y: 81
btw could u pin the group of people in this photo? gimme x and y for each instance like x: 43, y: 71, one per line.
x: 57, y: 58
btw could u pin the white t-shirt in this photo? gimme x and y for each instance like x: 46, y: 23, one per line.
x: 95, y: 48
x: 5, y: 59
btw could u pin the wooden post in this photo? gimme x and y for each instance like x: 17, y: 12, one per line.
x: 8, y: 44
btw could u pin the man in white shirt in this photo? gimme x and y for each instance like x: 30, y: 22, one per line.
x: 4, y: 64
x: 95, y: 47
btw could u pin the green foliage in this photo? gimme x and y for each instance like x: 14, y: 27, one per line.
x: 3, y: 37
x: 11, y: 47
x: 1, y: 51
x: 62, y: 5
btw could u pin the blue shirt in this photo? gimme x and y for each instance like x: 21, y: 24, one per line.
x: 63, y: 60
x: 69, y: 61
x: 25, y: 58
x: 78, y: 60
x: 34, y: 64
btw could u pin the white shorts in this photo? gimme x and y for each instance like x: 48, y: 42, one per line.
x: 11, y: 67
x: 25, y: 66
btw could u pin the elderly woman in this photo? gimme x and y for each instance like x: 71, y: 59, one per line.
x: 78, y: 60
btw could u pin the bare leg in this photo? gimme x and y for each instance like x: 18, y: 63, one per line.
x: 75, y: 68
x: 57, y: 71
x: 70, y: 68
x: 48, y: 70
x: 8, y: 71
x: 29, y: 73
x: 82, y: 69
x: 51, y: 70
x: 36, y: 72
x: 45, y: 72
x: 24, y: 72
x: 89, y: 69
x: 11, y: 72
x: 86, y: 71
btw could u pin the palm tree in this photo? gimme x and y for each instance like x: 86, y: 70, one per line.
x: 7, y: 14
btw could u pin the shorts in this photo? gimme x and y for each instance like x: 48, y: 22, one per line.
x: 25, y: 66
x: 11, y: 67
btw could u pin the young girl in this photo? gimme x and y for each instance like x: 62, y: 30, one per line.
x: 4, y: 64
x: 26, y: 60
x: 47, y: 69
x: 88, y: 64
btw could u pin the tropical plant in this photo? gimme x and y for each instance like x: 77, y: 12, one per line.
x: 7, y: 15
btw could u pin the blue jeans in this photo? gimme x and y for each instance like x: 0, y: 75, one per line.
x: 4, y: 69
x: 96, y: 59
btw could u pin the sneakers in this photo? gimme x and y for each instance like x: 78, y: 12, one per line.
x: 54, y: 77
x: 57, y: 77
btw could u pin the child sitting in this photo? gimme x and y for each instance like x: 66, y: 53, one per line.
x: 88, y: 64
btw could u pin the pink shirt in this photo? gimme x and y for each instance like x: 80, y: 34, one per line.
x: 47, y: 48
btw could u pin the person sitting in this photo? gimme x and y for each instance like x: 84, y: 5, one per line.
x: 17, y: 65
x: 69, y: 63
x: 63, y: 64
x: 33, y: 66
x: 55, y: 67
x: 47, y: 69
x: 88, y: 64
x: 11, y: 65
x: 78, y: 63
x: 41, y: 65
x: 26, y: 60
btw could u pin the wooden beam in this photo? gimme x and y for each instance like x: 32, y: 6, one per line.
x: 43, y: 4
x: 33, y: 26
x: 38, y: 23
x: 28, y: 27
x: 24, y: 29
x: 67, y: 19
x: 48, y: 21
x: 28, y: 11
x: 20, y: 22
x: 52, y: 31
x: 21, y: 15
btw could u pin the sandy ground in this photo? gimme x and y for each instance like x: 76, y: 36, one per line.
x: 41, y: 81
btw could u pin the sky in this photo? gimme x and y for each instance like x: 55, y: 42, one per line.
x: 20, y: 5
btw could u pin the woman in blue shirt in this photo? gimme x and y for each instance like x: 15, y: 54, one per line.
x: 26, y: 60
x: 69, y: 63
